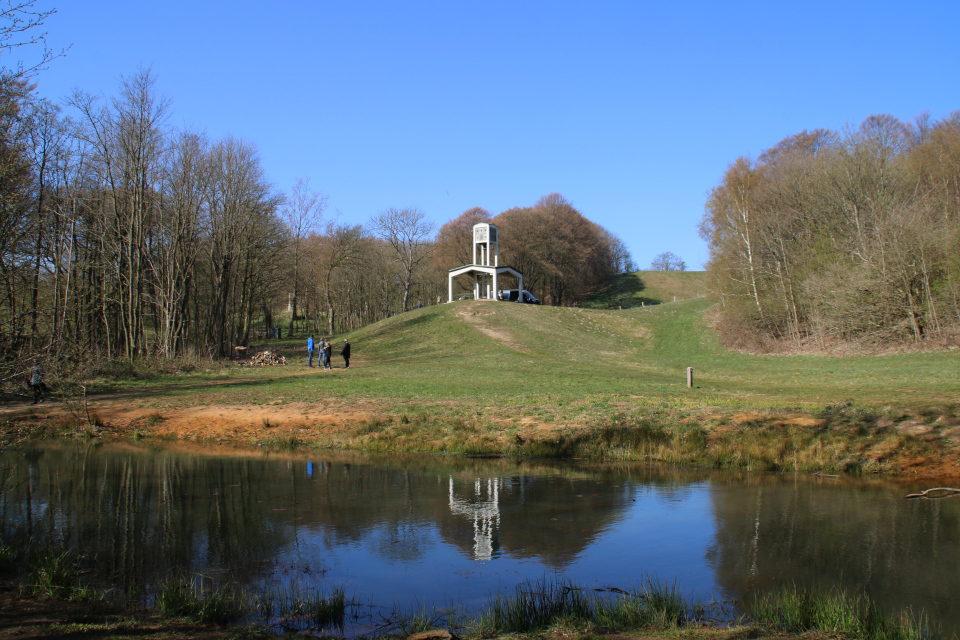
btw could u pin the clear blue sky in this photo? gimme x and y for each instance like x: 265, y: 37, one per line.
x: 631, y: 110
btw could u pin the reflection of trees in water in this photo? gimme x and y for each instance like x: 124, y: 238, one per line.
x: 139, y: 515
x: 390, y: 506
x: 853, y: 535
x: 149, y: 511
x: 143, y: 513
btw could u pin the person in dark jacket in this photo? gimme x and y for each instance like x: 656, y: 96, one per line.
x: 345, y: 352
x: 36, y: 381
x: 327, y: 354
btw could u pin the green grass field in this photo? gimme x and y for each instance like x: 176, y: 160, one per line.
x: 511, y: 354
x: 491, y: 377
x: 562, y: 361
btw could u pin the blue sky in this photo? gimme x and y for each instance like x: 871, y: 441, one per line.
x: 631, y: 110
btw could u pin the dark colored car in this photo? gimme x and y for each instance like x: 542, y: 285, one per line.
x: 512, y: 295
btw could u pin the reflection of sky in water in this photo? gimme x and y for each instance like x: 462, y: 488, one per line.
x: 638, y: 546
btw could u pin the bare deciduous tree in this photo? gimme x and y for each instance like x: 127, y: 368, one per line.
x: 453, y: 246
x: 668, y: 261
x: 563, y: 256
x: 407, y: 232
x: 21, y: 29
x: 302, y: 212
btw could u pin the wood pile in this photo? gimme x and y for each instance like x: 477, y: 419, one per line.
x: 267, y: 359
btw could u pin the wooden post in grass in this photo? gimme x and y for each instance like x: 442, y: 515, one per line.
x: 689, y: 377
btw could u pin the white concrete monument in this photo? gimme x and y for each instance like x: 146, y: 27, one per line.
x: 486, y: 269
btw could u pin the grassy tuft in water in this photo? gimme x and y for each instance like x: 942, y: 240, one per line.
x: 185, y: 598
x: 796, y: 611
x: 542, y: 604
x: 422, y: 619
x: 295, y: 605
x: 535, y: 605
x: 53, y: 572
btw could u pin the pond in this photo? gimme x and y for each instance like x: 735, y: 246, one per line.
x: 402, y: 532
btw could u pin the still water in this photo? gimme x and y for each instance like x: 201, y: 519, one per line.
x: 405, y: 532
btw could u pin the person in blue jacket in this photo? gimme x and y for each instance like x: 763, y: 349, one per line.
x: 310, y: 351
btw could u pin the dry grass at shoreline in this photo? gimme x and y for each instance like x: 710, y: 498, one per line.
x: 840, y: 439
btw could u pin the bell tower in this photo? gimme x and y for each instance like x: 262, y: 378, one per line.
x: 485, y: 270
x: 486, y: 246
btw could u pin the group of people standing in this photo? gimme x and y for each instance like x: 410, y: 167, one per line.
x: 326, y: 352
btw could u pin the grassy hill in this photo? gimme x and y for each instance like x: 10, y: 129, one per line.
x: 645, y: 288
x: 568, y: 362
x: 492, y: 377
x: 518, y: 353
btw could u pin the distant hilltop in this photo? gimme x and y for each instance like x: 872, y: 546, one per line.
x: 644, y: 288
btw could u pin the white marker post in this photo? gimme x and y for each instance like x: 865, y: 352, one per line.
x: 689, y: 377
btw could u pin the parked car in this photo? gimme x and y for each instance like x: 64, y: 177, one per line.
x: 514, y: 295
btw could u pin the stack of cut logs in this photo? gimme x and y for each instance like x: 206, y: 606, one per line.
x: 266, y: 359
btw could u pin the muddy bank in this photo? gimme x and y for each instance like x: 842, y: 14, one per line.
x: 833, y: 442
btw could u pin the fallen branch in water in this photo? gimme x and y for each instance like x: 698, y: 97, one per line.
x: 926, y: 494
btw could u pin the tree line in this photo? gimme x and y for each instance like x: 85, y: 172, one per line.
x: 846, y: 237
x: 122, y: 237
x: 362, y: 274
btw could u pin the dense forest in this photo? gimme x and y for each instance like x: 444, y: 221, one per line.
x: 122, y: 237
x: 841, y: 238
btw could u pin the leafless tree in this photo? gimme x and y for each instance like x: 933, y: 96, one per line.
x: 563, y: 256
x: 339, y: 249
x: 128, y: 138
x: 453, y: 246
x: 407, y: 232
x: 243, y: 239
x: 302, y: 212
x: 21, y: 30
x: 668, y: 261
x: 176, y: 240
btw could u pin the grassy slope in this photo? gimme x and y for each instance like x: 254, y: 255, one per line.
x: 571, y: 363
x: 640, y: 288
x: 568, y: 354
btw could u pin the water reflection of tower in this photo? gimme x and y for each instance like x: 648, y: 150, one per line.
x: 484, y: 513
